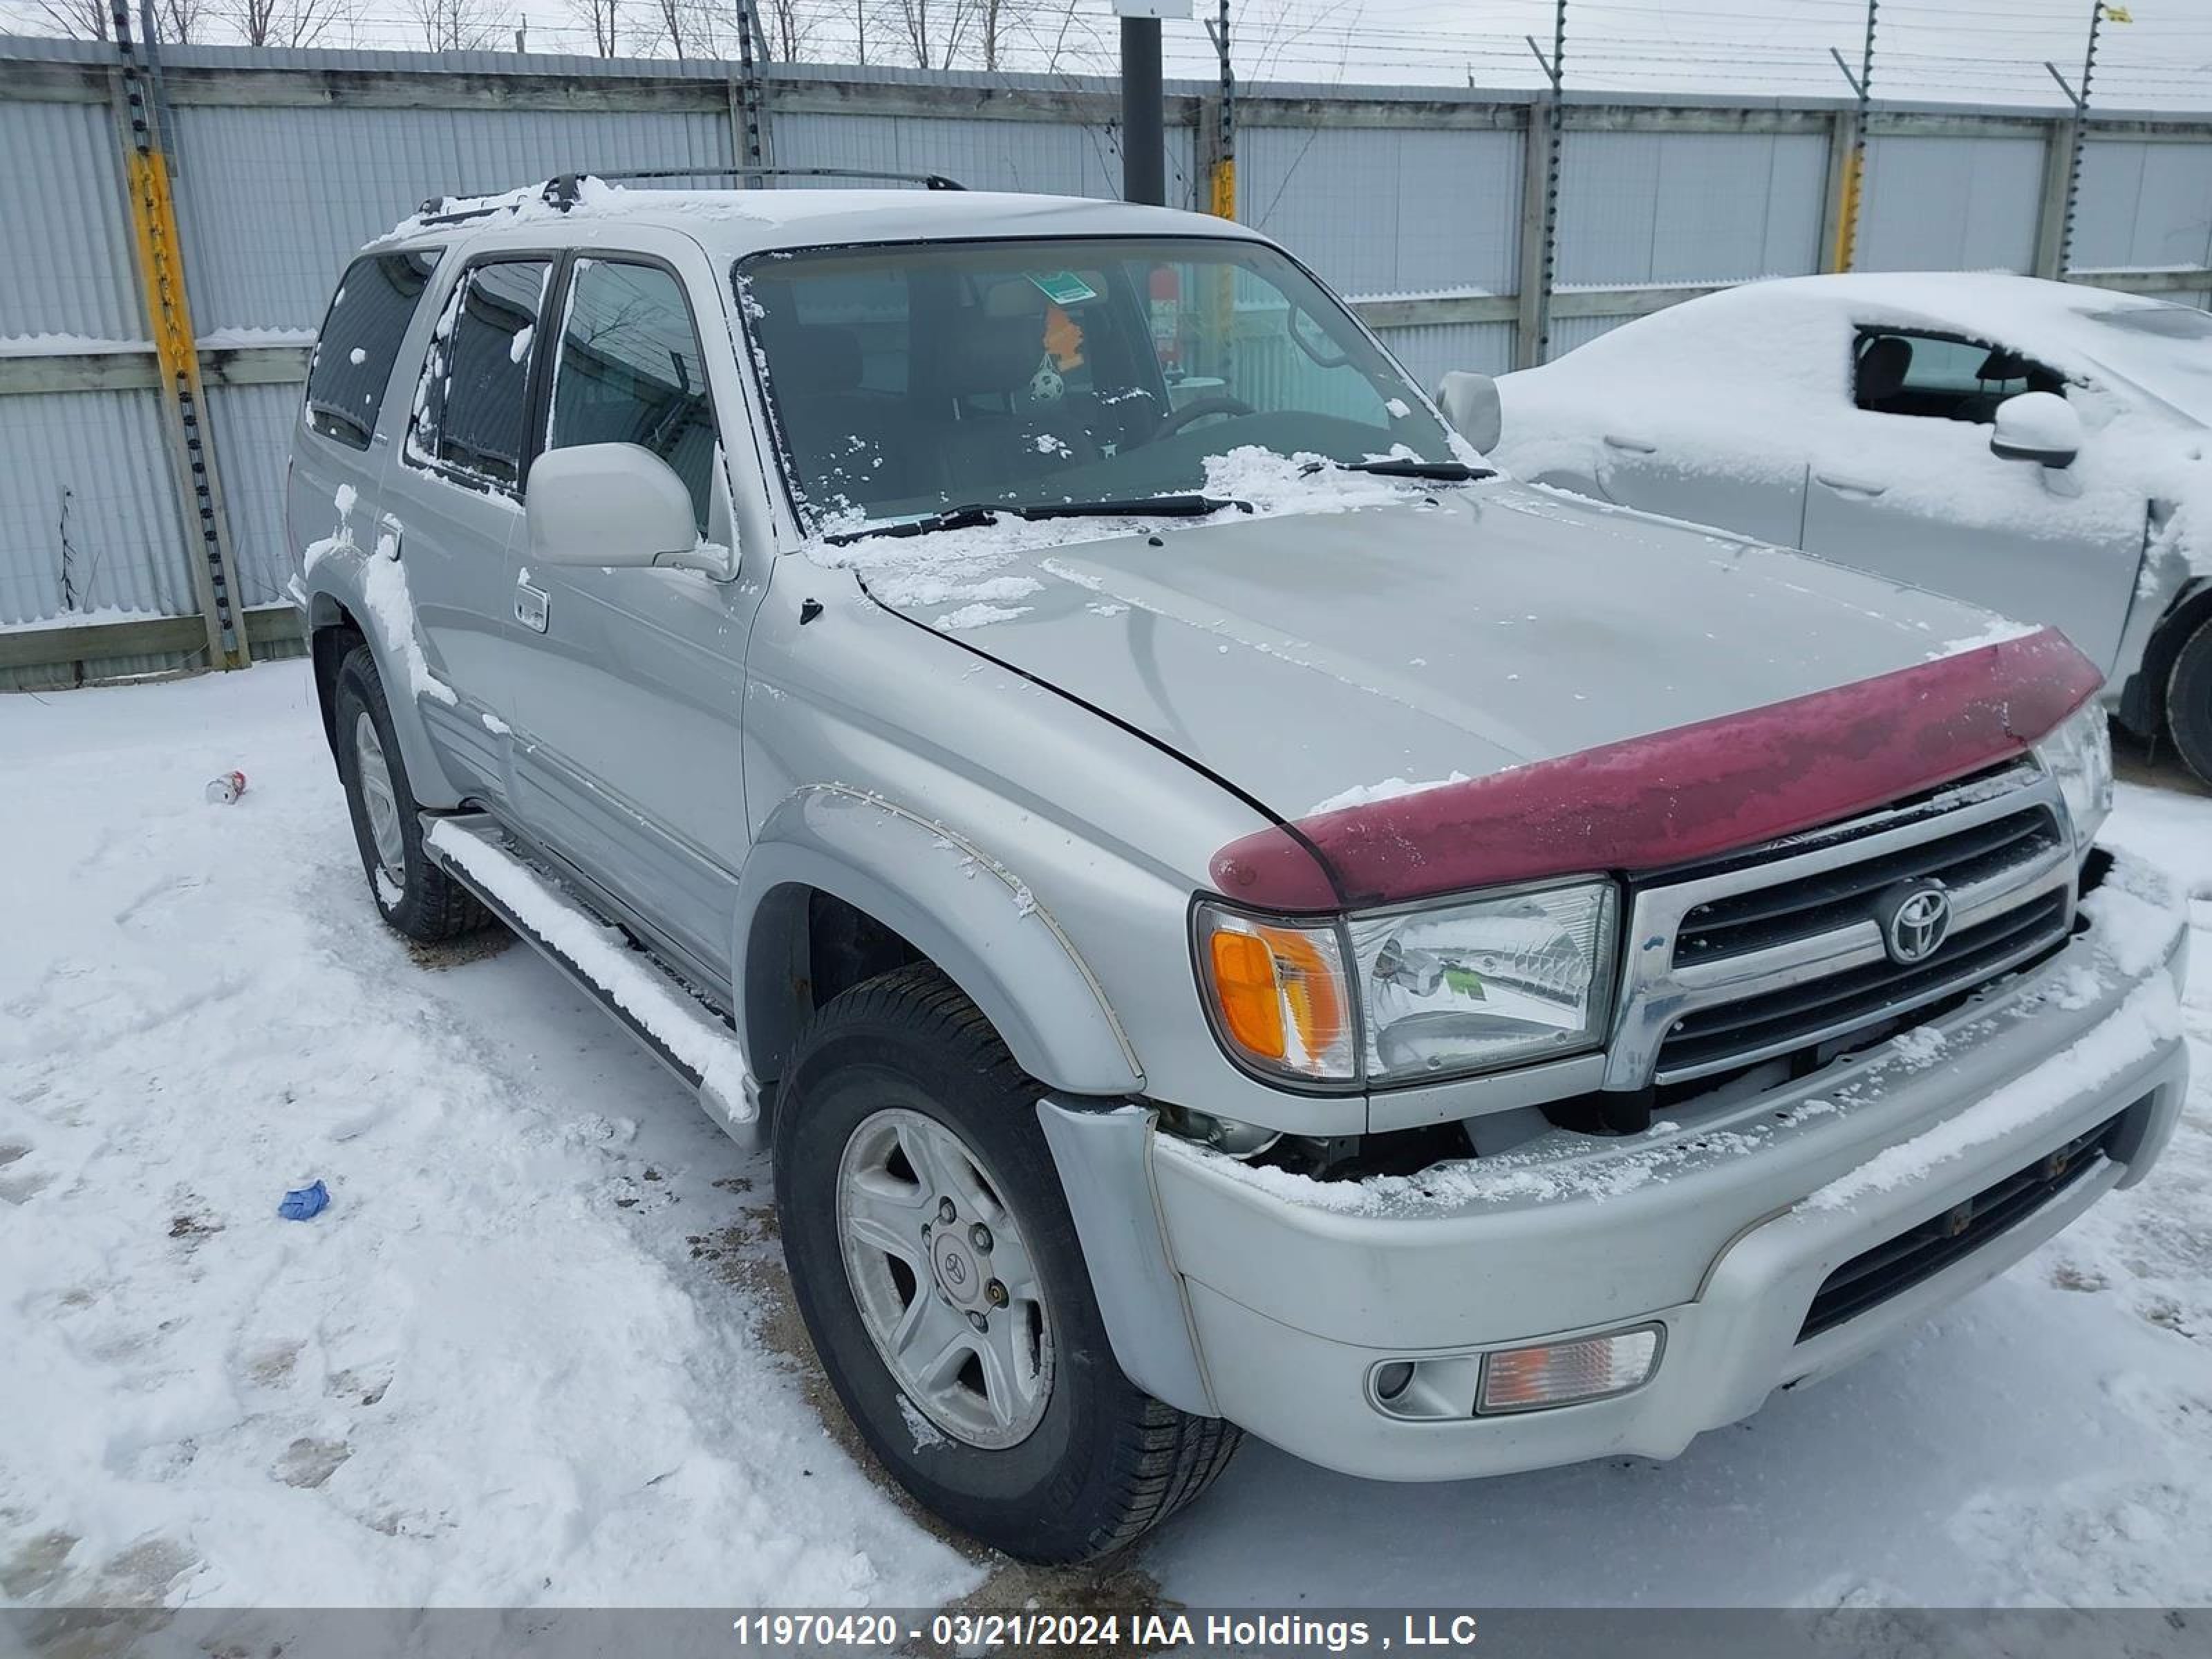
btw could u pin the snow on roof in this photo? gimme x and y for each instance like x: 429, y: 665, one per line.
x: 1750, y: 386
x: 735, y: 223
x: 2066, y: 326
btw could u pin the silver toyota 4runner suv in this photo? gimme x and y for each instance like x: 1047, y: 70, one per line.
x: 1231, y: 917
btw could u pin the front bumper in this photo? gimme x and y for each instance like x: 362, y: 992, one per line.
x: 1272, y: 1299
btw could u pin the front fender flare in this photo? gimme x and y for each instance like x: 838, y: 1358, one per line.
x: 958, y: 905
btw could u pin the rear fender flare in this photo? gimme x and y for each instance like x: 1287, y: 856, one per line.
x: 333, y: 604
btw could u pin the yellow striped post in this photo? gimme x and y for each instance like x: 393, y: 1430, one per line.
x: 160, y: 249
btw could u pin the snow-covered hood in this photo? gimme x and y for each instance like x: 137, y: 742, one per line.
x: 1319, y: 658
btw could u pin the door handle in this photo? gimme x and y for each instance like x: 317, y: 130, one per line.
x: 530, y: 604
x: 1849, y: 486
x: 1633, y: 445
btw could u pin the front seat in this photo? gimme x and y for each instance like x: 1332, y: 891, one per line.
x: 990, y: 442
x: 851, y: 444
x: 1883, y: 364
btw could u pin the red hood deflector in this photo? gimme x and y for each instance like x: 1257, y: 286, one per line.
x: 1673, y: 797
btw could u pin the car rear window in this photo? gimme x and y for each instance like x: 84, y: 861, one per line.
x: 361, y: 337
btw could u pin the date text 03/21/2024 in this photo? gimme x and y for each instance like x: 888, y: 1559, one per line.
x: 970, y: 1633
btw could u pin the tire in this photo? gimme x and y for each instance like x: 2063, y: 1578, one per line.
x: 1088, y: 1461
x: 412, y: 894
x: 2189, y: 703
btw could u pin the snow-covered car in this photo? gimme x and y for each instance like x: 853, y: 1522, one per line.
x: 2037, y: 447
x: 943, y: 671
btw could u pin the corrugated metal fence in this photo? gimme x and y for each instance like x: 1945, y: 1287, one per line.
x: 1420, y: 206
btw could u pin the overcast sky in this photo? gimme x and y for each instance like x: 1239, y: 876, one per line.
x: 1956, y: 50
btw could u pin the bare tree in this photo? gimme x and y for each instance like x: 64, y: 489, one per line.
x: 1062, y: 36
x: 456, y: 25
x: 790, y: 26
x: 79, y: 20
x: 695, y: 28
x: 995, y: 22
x: 182, y: 22
x: 285, y: 22
x: 936, y: 31
x: 601, y: 17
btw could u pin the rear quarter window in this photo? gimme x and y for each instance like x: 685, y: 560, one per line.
x: 361, y: 337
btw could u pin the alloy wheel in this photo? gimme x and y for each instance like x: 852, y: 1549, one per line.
x: 944, y: 1284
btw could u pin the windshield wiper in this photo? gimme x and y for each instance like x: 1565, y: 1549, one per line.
x: 1191, y: 506
x: 1436, y: 471
x: 972, y: 514
x: 951, y: 517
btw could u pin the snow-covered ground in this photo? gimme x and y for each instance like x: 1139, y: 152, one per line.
x: 534, y: 1352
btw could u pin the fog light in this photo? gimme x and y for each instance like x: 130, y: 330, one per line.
x: 1563, y: 1373
x: 1390, y: 1380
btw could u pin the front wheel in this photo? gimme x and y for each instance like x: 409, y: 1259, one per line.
x: 938, y: 1271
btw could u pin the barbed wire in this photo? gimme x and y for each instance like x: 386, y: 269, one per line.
x: 1954, y: 48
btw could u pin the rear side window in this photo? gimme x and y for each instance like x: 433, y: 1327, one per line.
x: 469, y: 415
x: 630, y: 372
x: 1940, y: 377
x: 360, y: 338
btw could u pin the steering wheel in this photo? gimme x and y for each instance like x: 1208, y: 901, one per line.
x: 1197, y: 410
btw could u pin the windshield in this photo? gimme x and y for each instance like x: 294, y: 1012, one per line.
x: 2165, y: 349
x: 909, y: 379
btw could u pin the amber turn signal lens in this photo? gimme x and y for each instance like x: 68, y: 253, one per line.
x: 1279, y: 993
x: 1251, y: 1000
x: 1311, y: 989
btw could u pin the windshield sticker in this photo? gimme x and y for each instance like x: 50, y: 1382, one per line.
x: 1062, y: 288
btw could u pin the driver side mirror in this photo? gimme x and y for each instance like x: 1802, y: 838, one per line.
x: 2037, y: 426
x: 614, y: 507
x: 1470, y: 403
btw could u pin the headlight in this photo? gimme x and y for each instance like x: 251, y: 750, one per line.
x: 1439, y: 991
x: 2079, y: 755
x: 1494, y: 981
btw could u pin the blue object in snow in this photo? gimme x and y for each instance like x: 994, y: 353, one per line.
x: 305, y: 1203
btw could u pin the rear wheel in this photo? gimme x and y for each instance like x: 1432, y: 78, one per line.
x: 415, y: 897
x: 938, y: 1271
x: 2189, y: 701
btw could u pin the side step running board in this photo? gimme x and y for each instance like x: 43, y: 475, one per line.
x: 687, y: 1037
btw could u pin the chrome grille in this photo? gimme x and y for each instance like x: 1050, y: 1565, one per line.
x: 1778, y: 951
x: 1790, y: 910
x: 1857, y: 996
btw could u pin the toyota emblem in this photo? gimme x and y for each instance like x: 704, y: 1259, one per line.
x: 1915, y: 918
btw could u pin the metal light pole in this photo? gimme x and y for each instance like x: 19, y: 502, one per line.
x: 1144, y: 110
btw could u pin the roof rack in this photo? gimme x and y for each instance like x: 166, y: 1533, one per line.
x: 562, y: 189
x: 458, y: 210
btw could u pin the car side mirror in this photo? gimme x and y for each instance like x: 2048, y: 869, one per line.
x: 614, y: 507
x: 1470, y: 403
x: 2037, y: 426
